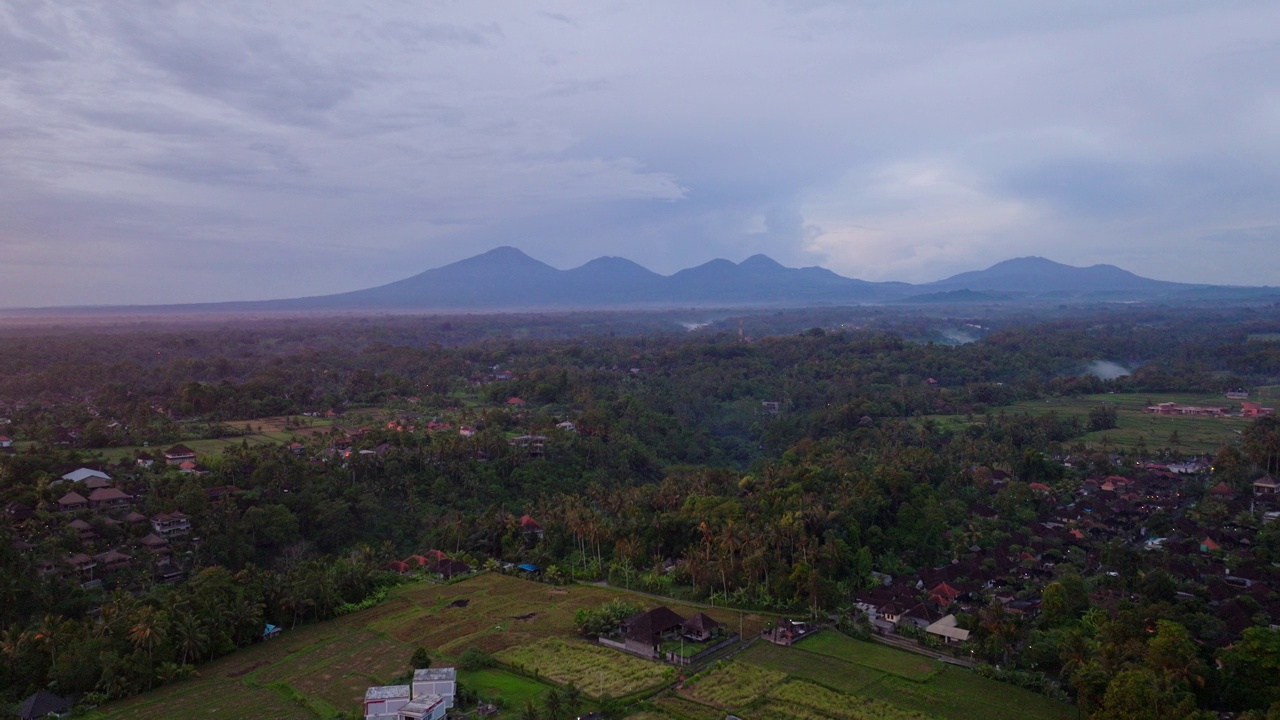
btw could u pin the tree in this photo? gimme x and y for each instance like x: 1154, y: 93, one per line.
x: 147, y: 630
x: 1053, y: 605
x: 1250, y: 668
x: 1137, y: 694
x: 530, y: 711
x: 572, y: 699
x: 1172, y: 654
x: 554, y: 704
x: 1102, y: 417
x: 420, y: 659
x: 1262, y: 443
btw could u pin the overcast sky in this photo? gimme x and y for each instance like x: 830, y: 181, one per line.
x: 173, y: 151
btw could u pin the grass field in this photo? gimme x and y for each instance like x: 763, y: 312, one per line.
x: 734, y: 685
x: 315, y: 670
x: 837, y: 678
x: 1195, y: 434
x: 829, y: 703
x: 957, y: 694
x: 265, y: 431
x: 871, y: 655
x: 494, y: 683
x: 595, y: 669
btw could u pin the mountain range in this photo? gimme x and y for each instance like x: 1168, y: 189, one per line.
x: 507, y: 279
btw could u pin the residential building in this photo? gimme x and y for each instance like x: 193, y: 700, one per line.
x: 428, y: 698
x: 179, y: 454
x: 173, y: 524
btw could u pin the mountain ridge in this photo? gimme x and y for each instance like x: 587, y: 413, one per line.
x: 506, y: 278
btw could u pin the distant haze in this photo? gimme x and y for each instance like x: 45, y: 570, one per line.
x: 163, y: 152
x: 1107, y: 370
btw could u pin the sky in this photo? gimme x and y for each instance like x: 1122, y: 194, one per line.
x: 162, y: 151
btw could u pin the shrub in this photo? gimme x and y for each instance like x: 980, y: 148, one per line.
x: 473, y: 658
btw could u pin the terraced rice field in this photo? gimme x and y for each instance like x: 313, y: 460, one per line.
x: 595, y: 669
x: 322, y: 669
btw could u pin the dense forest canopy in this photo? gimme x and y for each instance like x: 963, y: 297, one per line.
x: 773, y: 461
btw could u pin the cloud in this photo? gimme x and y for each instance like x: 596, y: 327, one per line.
x: 914, y: 221
x: 359, y: 143
x: 1269, y: 234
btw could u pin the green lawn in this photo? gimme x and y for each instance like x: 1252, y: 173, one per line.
x: 908, y: 682
x: 513, y: 689
x: 871, y: 655
x: 836, y: 674
x: 957, y: 694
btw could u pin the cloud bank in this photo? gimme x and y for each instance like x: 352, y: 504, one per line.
x: 196, y: 151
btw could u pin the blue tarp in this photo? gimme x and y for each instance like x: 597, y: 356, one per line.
x: 528, y: 568
x: 270, y: 631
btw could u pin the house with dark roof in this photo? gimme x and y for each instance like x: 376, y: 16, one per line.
x: 113, y: 560
x: 449, y: 568
x: 699, y: 628
x: 18, y: 511
x: 642, y: 634
x: 42, y: 704
x: 1264, y: 487
x: 72, y: 501
x: 179, y: 454
x: 83, y: 529
x: 109, y: 497
x: 173, y: 524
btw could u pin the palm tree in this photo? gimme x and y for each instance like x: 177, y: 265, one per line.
x: 530, y: 711
x: 554, y: 704
x: 191, y: 636
x: 572, y: 699
x: 147, y: 630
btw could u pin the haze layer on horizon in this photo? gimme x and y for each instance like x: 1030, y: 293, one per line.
x: 161, y: 152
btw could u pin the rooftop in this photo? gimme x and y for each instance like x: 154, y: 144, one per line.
x: 387, y: 692
x: 435, y: 674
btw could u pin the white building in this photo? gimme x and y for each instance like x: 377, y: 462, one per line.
x: 436, y: 681
x: 430, y: 695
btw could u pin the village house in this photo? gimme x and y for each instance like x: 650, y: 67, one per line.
x: 72, y: 501
x: 179, y: 454
x: 699, y: 628
x: 18, y: 512
x: 113, y: 560
x: 534, y: 445
x: 946, y: 629
x: 529, y: 526
x: 108, y: 498
x: 155, y: 544
x: 1253, y: 410
x: 83, y: 566
x: 1264, y: 487
x: 83, y: 530
x: 642, y: 634
x: 168, y: 525
x: 1172, y: 408
x: 84, y: 474
x: 428, y: 697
